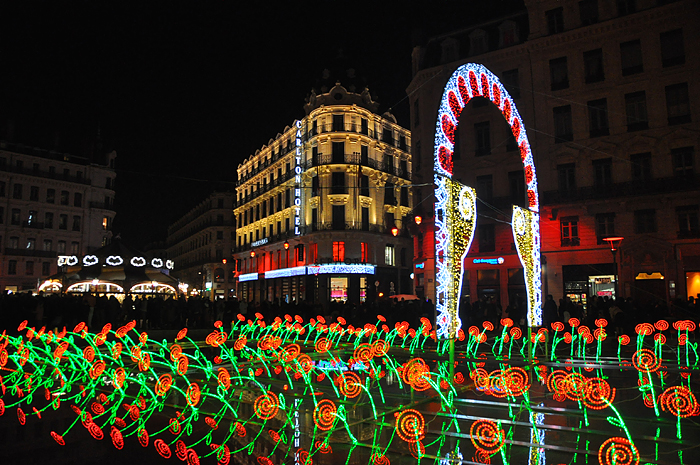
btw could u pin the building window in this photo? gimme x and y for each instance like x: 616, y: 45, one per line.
x: 417, y: 155
x: 45, y: 268
x: 511, y: 81
x: 338, y: 252
x: 50, y: 195
x: 62, y: 221
x: 12, y: 267
x: 364, y: 252
x: 31, y: 218
x: 569, y: 231
x: 338, y: 183
x: 636, y: 108
x: 631, y: 57
x: 588, y: 10
x: 75, y: 248
x: 64, y: 197
x: 683, y: 159
x: 516, y: 184
x: 31, y: 243
x: 389, y: 255
x: 219, y: 235
x: 598, y: 118
x: 641, y: 166
x: 478, y: 42
x: 483, y: 138
x: 34, y: 193
x: 593, y: 65
x: 315, y: 186
x: 602, y: 170
x: 29, y: 268
x: 61, y: 247
x: 364, y: 185
x: 484, y: 187
x: 78, y: 200
x: 559, y: 73
x: 17, y: 191
x: 563, y: 125
x: 507, y: 34
x: 339, y: 122
x: 677, y: 103
x: 48, y: 245
x: 105, y: 223
x: 389, y: 194
x: 626, y: 7
x: 76, y: 223
x: 313, y: 253
x: 15, y: 217
x: 604, y: 226
x: 487, y: 238
x: 555, y: 20
x: 14, y: 242
x: 2, y: 215
x: 672, y: 48
x: 404, y: 196
x: 338, y: 217
x: 338, y: 152
x: 645, y: 221
x: 387, y: 136
x: 688, y: 225
x: 2, y: 188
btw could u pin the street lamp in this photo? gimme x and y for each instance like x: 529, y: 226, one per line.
x: 614, y: 244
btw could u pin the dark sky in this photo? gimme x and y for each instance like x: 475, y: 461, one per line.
x: 185, y: 91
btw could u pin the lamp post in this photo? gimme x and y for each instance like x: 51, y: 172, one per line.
x: 614, y: 244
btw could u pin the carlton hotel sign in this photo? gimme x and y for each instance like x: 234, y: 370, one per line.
x: 297, y: 180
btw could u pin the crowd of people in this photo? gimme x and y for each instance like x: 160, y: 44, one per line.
x: 168, y: 312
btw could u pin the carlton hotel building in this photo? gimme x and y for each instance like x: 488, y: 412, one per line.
x: 320, y: 209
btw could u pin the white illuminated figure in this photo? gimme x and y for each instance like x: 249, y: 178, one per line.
x: 455, y: 210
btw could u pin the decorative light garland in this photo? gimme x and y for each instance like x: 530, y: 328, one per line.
x: 117, y: 380
x: 469, y: 81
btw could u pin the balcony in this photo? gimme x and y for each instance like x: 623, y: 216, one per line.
x: 622, y: 189
x: 30, y: 253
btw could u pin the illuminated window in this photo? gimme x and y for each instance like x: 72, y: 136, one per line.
x: 364, y: 252
x: 338, y: 252
x: 569, y: 231
x: 313, y: 252
x: 389, y: 257
x: 105, y: 223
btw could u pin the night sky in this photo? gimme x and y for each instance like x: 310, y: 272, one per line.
x: 185, y: 91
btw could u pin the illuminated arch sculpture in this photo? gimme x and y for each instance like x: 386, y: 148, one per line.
x: 455, y: 204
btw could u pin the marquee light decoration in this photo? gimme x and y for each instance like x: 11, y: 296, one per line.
x: 157, y: 263
x: 114, y: 260
x: 90, y: 260
x: 469, y: 81
x: 273, y: 383
x: 137, y: 261
x: 248, y: 277
x: 286, y: 272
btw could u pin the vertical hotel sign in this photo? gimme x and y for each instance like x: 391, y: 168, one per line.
x: 297, y: 180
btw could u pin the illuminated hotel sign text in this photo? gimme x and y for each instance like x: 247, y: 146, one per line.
x: 297, y: 181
